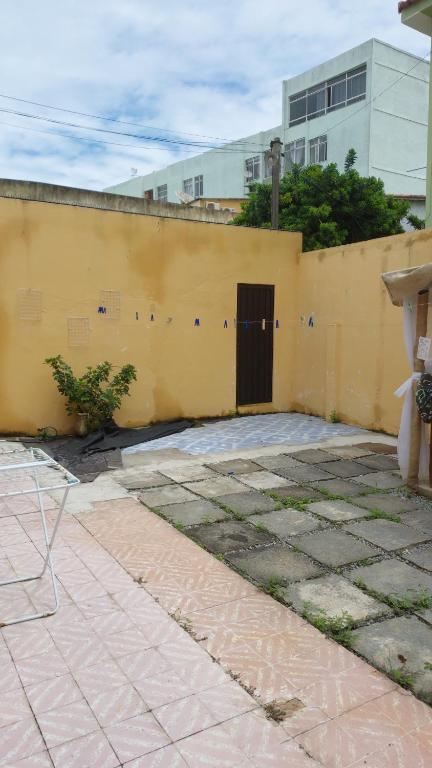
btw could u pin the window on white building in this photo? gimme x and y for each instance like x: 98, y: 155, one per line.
x: 162, y: 192
x: 188, y: 186
x: 295, y: 153
x: 252, y: 169
x: 199, y: 186
x: 332, y: 94
x: 318, y: 150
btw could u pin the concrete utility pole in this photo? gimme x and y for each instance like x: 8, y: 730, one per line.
x: 275, y: 148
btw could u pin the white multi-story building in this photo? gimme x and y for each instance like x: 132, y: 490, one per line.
x: 373, y: 98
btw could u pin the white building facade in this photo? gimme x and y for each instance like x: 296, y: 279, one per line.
x: 373, y: 98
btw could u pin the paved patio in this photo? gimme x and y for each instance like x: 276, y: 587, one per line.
x: 163, y: 656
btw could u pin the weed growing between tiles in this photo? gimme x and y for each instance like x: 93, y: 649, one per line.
x: 338, y: 627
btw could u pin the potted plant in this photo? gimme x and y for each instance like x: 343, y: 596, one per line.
x: 92, y: 397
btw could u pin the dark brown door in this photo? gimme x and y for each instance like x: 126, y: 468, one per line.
x: 255, y: 303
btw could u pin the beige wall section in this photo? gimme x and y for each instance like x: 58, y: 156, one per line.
x: 352, y: 357
x: 176, y: 270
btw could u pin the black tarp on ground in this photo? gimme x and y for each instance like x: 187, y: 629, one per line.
x: 100, y: 451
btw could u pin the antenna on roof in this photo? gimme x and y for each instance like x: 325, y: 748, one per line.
x: 185, y: 197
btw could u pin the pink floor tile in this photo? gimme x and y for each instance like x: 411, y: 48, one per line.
x: 9, y: 680
x: 100, y: 677
x: 136, y: 737
x: 53, y: 693
x: 167, y: 757
x: 124, y: 643
x: 285, y: 756
x: 138, y: 666
x: 212, y: 748
x: 44, y: 666
x: 66, y: 723
x: 184, y: 717
x: 111, y: 623
x: 41, y: 760
x: 410, y: 751
x: 13, y: 707
x: 253, y: 733
x: 26, y: 640
x: 227, y: 700
x: 163, y: 688
x: 97, y: 606
x: 19, y: 740
x: 117, y: 704
x: 92, y: 751
x: 303, y: 720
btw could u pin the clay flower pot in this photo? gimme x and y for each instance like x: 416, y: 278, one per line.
x: 81, y: 424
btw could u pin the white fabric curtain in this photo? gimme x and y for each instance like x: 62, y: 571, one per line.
x: 406, y: 389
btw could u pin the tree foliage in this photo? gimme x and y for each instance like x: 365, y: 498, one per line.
x: 329, y: 207
x: 92, y: 393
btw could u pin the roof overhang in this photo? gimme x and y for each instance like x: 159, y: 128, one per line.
x: 417, y: 14
x: 406, y: 283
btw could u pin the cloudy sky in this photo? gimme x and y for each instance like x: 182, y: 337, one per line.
x: 178, y: 70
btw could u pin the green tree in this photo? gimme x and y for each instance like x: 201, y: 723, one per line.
x: 329, y: 207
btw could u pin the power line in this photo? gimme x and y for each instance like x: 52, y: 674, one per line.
x: 116, y: 120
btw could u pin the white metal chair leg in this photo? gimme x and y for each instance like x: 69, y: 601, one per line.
x: 47, y: 561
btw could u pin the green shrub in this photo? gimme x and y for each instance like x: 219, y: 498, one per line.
x: 94, y: 393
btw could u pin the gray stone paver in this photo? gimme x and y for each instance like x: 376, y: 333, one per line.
x: 286, y: 522
x: 188, y: 474
x: 311, y: 456
x: 341, y: 468
x: 383, y: 448
x: 215, y: 486
x: 168, y: 494
x: 392, y: 577
x: 403, y: 643
x: 338, y: 487
x: 304, y: 474
x: 279, y: 562
x: 337, y: 510
x: 389, y: 503
x: 234, y: 467
x: 381, y: 480
x: 348, y: 452
x: 333, y: 547
x: 193, y: 512
x: 419, y: 518
x: 134, y: 479
x: 248, y: 503
x: 379, y: 462
x: 278, y: 462
x: 264, y: 480
x: 229, y: 536
x: 421, y: 556
x: 300, y: 492
x: 386, y: 534
x: 334, y: 596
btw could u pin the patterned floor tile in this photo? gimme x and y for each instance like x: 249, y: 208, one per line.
x: 19, y: 740
x: 136, y: 737
x: 100, y: 677
x: 226, y: 701
x: 44, y: 666
x: 124, y: 643
x: 212, y: 748
x: 163, y: 688
x: 41, y: 760
x: 167, y: 757
x: 285, y: 756
x: 185, y: 717
x: 117, y: 704
x: 66, y: 723
x: 54, y: 693
x: 92, y: 751
x: 13, y: 707
x: 138, y: 666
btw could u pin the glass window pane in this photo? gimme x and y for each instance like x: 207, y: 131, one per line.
x: 356, y: 86
x: 316, y: 103
x: 337, y: 93
x: 162, y: 192
x: 187, y: 186
x: 199, y: 186
x: 298, y: 110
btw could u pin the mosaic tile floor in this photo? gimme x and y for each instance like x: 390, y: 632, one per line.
x: 249, y: 432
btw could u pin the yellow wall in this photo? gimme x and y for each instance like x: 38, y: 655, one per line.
x: 353, y: 357
x: 177, y: 270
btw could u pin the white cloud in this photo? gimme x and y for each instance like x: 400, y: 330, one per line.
x: 201, y: 67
